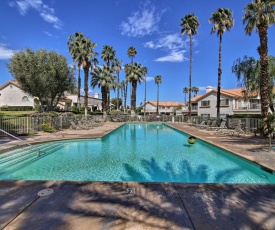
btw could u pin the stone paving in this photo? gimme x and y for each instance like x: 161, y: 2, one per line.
x: 131, y: 205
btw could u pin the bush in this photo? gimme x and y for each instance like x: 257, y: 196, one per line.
x: 47, y: 127
x: 116, y: 112
x: 16, y: 108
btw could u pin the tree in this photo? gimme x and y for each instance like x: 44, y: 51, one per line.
x: 108, y: 55
x: 190, y: 24
x: 158, y: 80
x: 42, y: 74
x: 260, y: 14
x: 134, y: 74
x: 74, y: 44
x: 131, y: 52
x: 195, y: 90
x: 222, y: 20
x: 82, y: 51
x: 247, y: 71
x: 122, y: 86
x: 117, y: 66
x: 185, y: 91
x: 117, y: 102
x: 103, y: 78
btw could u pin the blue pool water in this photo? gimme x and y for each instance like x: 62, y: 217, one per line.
x: 139, y: 152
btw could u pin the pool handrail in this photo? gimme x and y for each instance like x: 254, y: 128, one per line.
x: 25, y: 142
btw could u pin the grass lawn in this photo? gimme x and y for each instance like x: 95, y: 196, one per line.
x: 16, y: 113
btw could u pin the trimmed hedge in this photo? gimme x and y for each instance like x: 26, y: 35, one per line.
x: 16, y: 108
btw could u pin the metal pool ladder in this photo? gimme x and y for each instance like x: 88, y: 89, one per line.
x: 25, y: 142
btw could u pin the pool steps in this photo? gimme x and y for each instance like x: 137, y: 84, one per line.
x: 19, y: 155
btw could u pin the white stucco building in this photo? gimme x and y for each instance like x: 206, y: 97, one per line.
x: 11, y: 94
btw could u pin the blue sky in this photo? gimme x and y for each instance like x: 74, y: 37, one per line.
x: 152, y: 27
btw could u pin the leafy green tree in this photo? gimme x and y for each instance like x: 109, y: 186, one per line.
x: 190, y: 24
x: 117, y: 102
x: 222, y: 20
x: 82, y: 51
x: 103, y: 78
x: 185, y: 91
x: 135, y: 74
x: 158, y: 80
x: 247, y: 71
x: 42, y: 74
x: 260, y: 14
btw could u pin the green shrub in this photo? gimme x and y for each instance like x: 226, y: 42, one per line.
x: 115, y: 112
x: 16, y: 108
x: 47, y: 127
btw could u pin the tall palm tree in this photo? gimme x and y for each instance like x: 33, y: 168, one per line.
x: 158, y: 80
x: 108, y: 55
x: 122, y: 86
x: 74, y: 49
x: 185, y: 91
x: 117, y: 66
x: 82, y: 50
x: 260, y: 14
x: 195, y: 90
x: 135, y: 74
x: 104, y: 79
x: 131, y: 52
x: 190, y: 24
x: 222, y: 20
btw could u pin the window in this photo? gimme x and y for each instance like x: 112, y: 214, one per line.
x: 224, y: 102
x: 25, y: 98
x: 205, y: 116
x: 205, y: 103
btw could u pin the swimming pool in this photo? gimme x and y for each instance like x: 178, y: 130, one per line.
x: 138, y: 152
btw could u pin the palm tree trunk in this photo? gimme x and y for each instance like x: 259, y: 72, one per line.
x: 86, y: 78
x: 144, y: 110
x: 264, y: 91
x: 190, y: 78
x: 158, y: 100
x: 133, y: 96
x: 78, y: 89
x: 104, y: 100
x: 219, y: 81
x: 117, y: 104
x: 125, y: 95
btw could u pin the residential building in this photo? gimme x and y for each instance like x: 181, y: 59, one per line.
x: 11, y: 94
x: 232, y: 102
x: 164, y: 107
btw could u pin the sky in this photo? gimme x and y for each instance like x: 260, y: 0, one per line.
x: 151, y: 26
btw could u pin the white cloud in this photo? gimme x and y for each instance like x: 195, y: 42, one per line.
x: 5, y: 53
x: 47, y: 13
x: 47, y: 33
x: 174, y: 44
x: 142, y: 22
x: 149, y: 79
x: 173, y: 56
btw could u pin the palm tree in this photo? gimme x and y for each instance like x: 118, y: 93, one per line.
x: 82, y: 50
x: 117, y: 66
x: 135, y: 74
x: 260, y: 14
x: 195, y: 90
x: 185, y: 91
x: 122, y: 86
x: 104, y: 79
x: 190, y: 24
x: 158, y: 80
x: 222, y: 20
x: 131, y: 52
x: 108, y: 55
x: 74, y: 50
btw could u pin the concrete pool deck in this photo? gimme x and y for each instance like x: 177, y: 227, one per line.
x: 131, y: 205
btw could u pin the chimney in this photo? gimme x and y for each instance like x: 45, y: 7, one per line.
x: 96, y: 95
x: 209, y: 88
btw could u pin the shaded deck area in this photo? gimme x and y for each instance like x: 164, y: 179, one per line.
x: 131, y: 205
